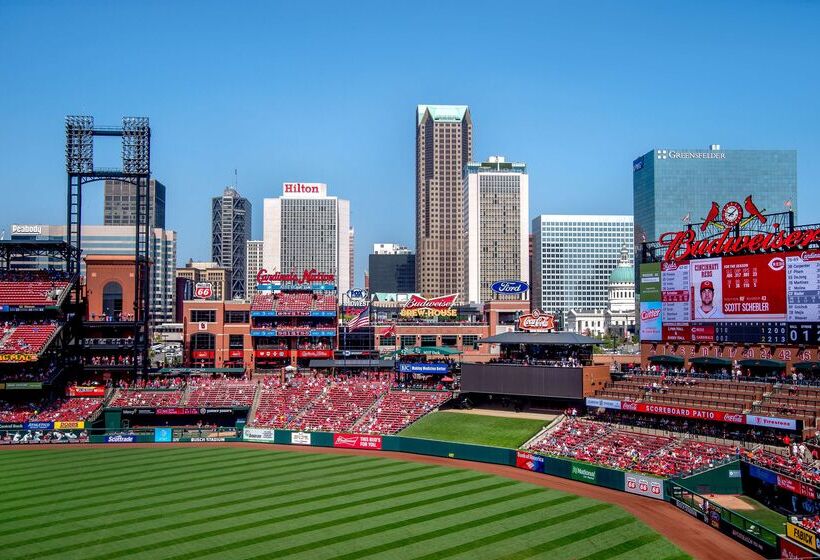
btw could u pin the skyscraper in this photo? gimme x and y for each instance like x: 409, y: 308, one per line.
x: 305, y: 229
x: 573, y: 258
x: 673, y: 188
x: 444, y: 144
x: 496, y: 227
x: 230, y: 232
x: 120, y: 207
x: 392, y: 269
x: 254, y: 264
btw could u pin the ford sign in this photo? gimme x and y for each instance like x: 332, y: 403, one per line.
x: 510, y: 287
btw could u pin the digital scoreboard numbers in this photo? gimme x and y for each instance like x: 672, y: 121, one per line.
x: 803, y: 333
x: 751, y: 332
x: 803, y: 287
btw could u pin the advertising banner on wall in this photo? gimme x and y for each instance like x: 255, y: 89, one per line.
x: 529, y: 462
x: 120, y: 438
x: 85, y: 391
x: 584, y: 473
x: 644, y: 485
x: 651, y: 320
x: 300, y: 438
x: 69, y: 425
x: 258, y: 434
x: 163, y: 435
x: 38, y: 425
x: 424, y: 367
x: 418, y: 306
x: 603, y: 403
x: 650, y: 282
x: 17, y: 357
x: 356, y: 441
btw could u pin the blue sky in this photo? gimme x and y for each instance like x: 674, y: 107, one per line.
x: 326, y: 92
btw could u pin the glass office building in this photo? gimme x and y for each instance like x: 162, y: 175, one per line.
x: 674, y: 187
x: 572, y: 259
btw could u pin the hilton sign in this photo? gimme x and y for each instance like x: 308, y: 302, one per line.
x: 295, y: 189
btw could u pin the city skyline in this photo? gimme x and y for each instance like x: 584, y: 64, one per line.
x: 267, y: 118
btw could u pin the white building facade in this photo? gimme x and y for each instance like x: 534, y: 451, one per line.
x: 573, y: 257
x: 254, y: 260
x: 305, y: 229
x: 496, y: 227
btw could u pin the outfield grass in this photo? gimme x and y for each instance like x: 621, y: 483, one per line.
x: 254, y: 503
x: 763, y: 515
x: 498, y: 431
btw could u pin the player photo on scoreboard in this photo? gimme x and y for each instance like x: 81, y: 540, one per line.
x: 707, y: 289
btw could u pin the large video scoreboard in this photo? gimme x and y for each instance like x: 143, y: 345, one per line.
x: 761, y: 298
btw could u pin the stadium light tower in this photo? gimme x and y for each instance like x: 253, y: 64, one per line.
x: 135, y: 133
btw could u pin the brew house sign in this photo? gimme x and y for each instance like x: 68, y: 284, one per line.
x: 683, y: 245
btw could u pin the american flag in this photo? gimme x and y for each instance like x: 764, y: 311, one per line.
x: 360, y: 320
x: 788, y: 204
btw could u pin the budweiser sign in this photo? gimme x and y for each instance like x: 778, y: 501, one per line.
x: 308, y: 277
x: 537, y: 321
x: 683, y: 245
x: 418, y: 306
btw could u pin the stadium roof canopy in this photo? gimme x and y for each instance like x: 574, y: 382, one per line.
x: 353, y: 364
x: 541, y: 339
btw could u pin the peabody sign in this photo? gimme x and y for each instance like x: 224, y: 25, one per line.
x: 536, y: 321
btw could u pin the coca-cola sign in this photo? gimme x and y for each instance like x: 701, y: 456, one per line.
x: 203, y: 290
x: 509, y: 287
x: 308, y: 277
x: 537, y: 321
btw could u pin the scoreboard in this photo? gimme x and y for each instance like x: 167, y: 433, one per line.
x: 753, y: 299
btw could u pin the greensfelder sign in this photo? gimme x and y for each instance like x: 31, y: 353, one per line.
x: 583, y: 473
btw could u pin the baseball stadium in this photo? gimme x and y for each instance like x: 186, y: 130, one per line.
x: 418, y: 429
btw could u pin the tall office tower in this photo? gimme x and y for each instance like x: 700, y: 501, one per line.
x: 673, y: 188
x: 444, y: 144
x: 573, y: 257
x: 352, y: 265
x: 254, y: 264
x: 120, y: 207
x: 230, y: 232
x: 305, y: 229
x: 392, y: 269
x: 496, y: 227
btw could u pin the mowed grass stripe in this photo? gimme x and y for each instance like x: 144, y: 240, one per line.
x: 432, y: 516
x: 260, y: 525
x: 453, y: 528
x: 98, y: 531
x: 136, y: 475
x: 174, y: 487
x: 622, y: 547
x: 97, y: 457
x: 195, y: 494
x: 135, y: 471
x: 225, y: 468
x: 548, y: 545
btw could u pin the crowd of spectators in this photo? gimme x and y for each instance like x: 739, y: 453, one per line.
x: 28, y: 337
x: 119, y: 360
x: 112, y: 317
x: 124, y: 342
x: 797, y: 463
x: 734, y: 373
x: 608, y: 445
x: 30, y: 371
